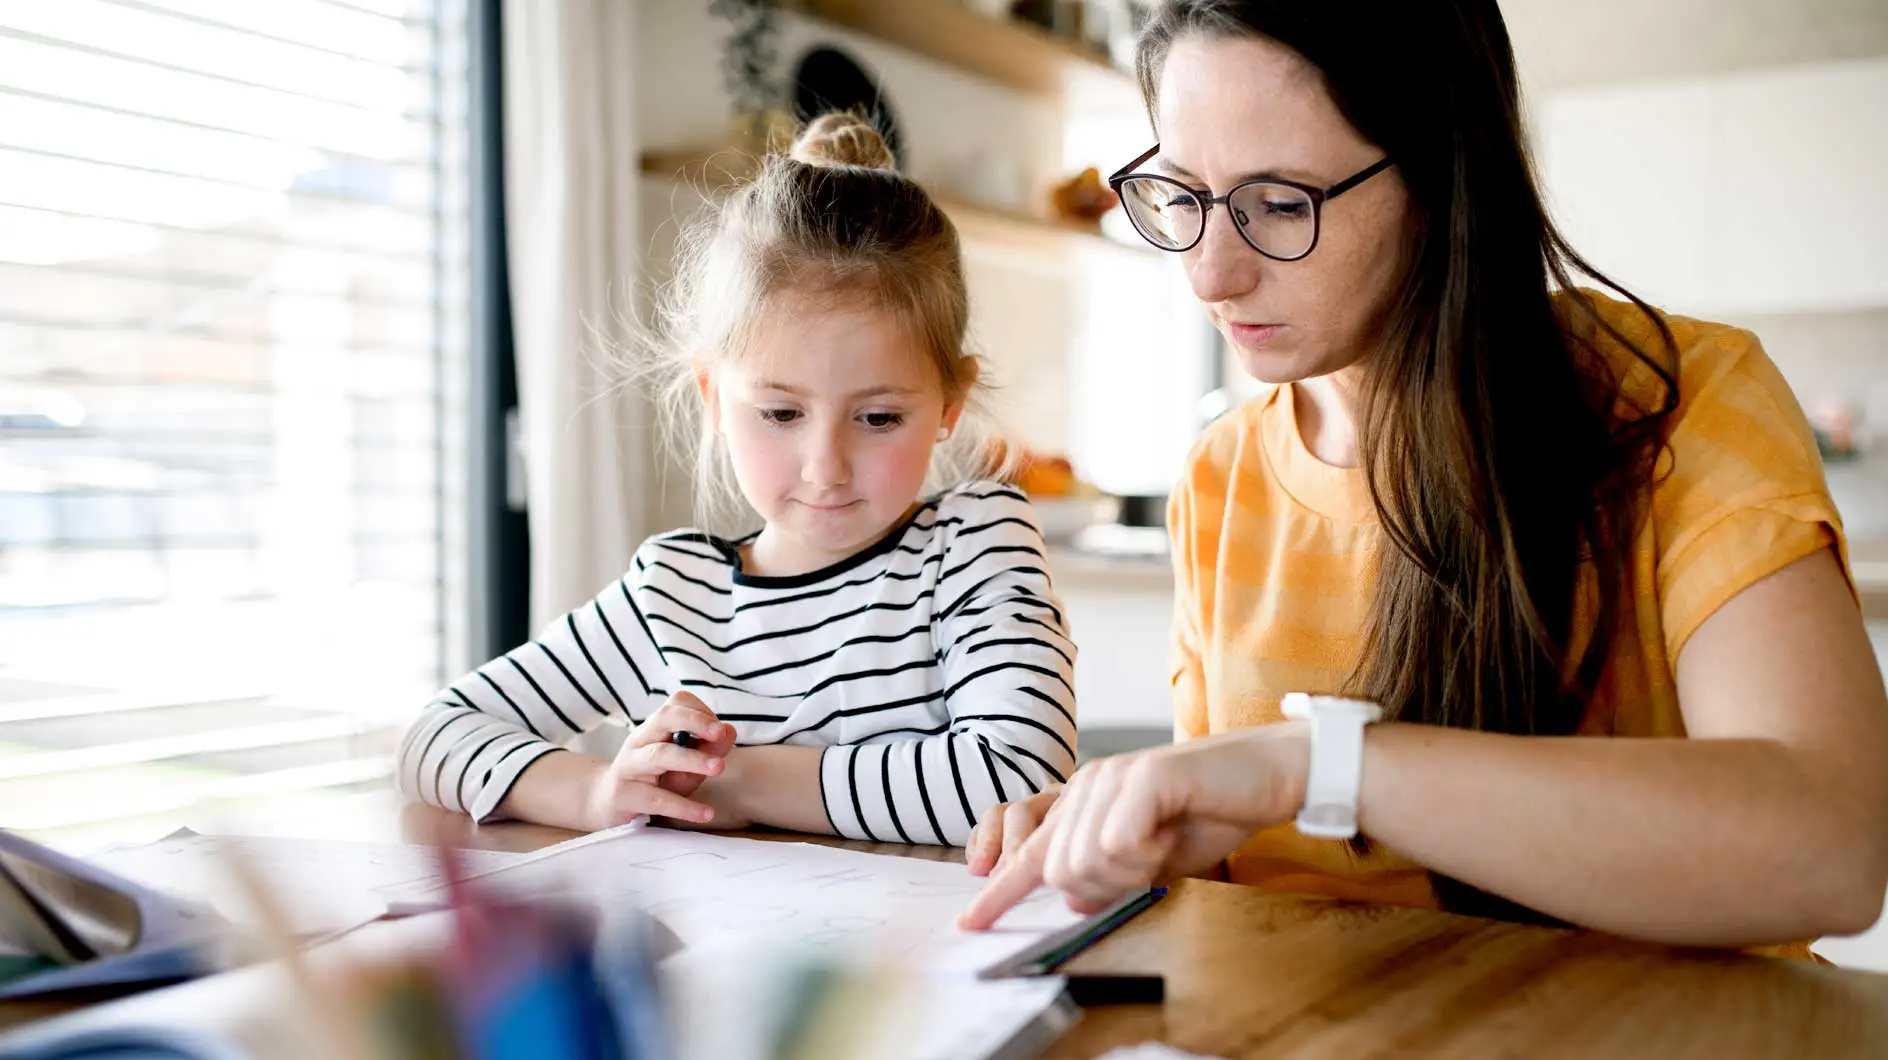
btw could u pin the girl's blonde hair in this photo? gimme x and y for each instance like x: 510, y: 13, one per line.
x: 832, y: 220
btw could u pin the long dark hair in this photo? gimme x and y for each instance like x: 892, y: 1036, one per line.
x: 1506, y: 471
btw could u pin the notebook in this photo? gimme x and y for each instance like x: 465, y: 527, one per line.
x: 71, y: 925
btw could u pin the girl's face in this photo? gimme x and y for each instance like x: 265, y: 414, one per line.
x: 1231, y: 109
x: 830, y: 418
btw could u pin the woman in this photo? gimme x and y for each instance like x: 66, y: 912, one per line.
x: 1581, y: 553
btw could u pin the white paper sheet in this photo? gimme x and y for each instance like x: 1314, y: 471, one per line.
x: 324, y: 885
x: 911, y: 1018
x: 721, y: 893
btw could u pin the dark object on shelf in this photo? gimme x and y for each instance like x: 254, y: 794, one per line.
x: 1060, y: 17
x: 1148, y: 509
x: 828, y: 79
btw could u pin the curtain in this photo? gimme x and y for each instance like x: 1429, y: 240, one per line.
x: 571, y: 175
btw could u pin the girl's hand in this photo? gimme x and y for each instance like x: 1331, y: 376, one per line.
x: 1131, y: 821
x: 1004, y: 828
x: 653, y: 775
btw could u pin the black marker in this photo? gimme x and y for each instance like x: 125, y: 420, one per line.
x: 1091, y: 991
x: 684, y: 739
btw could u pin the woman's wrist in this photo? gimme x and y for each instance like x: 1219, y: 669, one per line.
x: 1287, y: 747
x: 1275, y: 760
x: 1254, y: 777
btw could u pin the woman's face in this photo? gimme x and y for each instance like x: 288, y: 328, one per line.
x: 1230, y: 109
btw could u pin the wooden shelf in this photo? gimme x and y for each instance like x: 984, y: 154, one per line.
x: 714, y: 171
x: 1006, y: 51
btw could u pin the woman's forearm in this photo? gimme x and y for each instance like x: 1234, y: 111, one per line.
x: 1698, y: 842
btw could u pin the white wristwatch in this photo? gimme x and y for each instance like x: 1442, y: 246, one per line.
x: 1337, y: 761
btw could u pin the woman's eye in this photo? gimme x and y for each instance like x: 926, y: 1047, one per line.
x: 1181, y: 200
x: 779, y: 417
x: 1291, y: 209
x: 881, y: 421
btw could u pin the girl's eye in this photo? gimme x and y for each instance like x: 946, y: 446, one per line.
x: 882, y: 421
x: 779, y: 417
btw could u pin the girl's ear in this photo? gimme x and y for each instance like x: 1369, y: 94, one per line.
x: 954, y: 409
x: 710, y: 399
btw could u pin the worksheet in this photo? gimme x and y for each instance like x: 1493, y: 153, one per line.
x: 324, y: 886
x: 718, y: 893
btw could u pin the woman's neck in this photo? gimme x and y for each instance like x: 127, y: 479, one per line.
x: 1326, y: 410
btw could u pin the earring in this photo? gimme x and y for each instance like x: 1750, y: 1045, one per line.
x: 943, y: 433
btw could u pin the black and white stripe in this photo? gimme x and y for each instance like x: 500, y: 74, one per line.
x: 936, y: 665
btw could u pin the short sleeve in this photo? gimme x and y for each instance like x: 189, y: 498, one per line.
x: 1185, y: 674
x: 1740, y: 492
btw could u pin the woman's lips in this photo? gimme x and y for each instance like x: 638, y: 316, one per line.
x: 1253, y: 336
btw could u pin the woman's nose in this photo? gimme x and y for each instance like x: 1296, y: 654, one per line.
x: 1222, y: 267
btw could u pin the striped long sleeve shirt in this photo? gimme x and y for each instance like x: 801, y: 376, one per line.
x: 935, y: 668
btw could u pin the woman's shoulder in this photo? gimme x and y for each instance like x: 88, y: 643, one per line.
x: 1719, y: 368
x: 1736, y: 438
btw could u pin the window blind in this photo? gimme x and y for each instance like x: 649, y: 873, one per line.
x: 233, y: 329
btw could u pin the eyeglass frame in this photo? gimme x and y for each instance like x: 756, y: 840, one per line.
x: 1318, y: 196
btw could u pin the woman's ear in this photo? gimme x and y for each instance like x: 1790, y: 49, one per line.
x: 710, y: 399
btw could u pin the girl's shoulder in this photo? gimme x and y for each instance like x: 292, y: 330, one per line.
x: 981, y: 491
x: 982, y: 501
x: 986, y: 522
x: 688, y: 553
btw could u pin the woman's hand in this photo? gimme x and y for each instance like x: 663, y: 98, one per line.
x: 1130, y: 821
x: 1004, y: 828
x: 651, y: 774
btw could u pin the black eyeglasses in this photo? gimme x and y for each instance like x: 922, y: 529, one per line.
x: 1277, y: 218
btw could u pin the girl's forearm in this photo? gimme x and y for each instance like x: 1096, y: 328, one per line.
x: 776, y: 785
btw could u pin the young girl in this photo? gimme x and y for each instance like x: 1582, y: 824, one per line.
x: 872, y: 662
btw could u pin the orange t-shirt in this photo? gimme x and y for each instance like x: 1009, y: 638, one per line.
x: 1273, y: 566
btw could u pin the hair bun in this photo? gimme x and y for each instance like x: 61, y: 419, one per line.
x: 842, y: 139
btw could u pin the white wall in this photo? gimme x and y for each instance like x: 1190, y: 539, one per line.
x: 1749, y: 192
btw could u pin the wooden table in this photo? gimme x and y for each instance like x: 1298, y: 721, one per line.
x: 1253, y: 975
